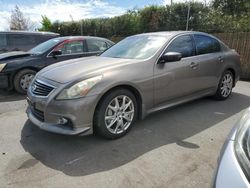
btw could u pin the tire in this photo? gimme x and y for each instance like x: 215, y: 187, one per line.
x: 123, y: 117
x: 225, y: 86
x: 22, y: 80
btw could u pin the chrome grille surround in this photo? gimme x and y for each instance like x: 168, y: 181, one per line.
x: 41, y: 88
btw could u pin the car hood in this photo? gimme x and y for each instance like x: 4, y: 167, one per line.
x: 71, y: 70
x: 14, y: 55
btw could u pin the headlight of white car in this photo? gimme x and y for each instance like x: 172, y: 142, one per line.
x: 242, y: 143
x: 2, y: 66
x: 80, y: 89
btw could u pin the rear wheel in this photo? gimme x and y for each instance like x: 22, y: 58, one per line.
x: 225, y: 86
x: 115, y: 114
x: 23, y: 79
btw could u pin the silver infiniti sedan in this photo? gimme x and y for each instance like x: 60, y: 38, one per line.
x: 234, y: 167
x: 141, y: 74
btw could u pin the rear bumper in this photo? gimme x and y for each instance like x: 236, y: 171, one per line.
x: 4, y: 81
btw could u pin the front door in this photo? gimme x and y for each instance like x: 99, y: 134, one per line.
x: 70, y: 49
x: 173, y: 80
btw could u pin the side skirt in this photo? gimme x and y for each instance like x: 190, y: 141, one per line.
x: 182, y: 100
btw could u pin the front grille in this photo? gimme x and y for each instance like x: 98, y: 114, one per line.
x: 38, y: 114
x: 41, y: 89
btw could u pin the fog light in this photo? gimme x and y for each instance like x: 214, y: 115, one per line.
x: 62, y: 120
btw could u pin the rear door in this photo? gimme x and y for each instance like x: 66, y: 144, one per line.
x: 173, y: 80
x: 210, y: 58
x: 70, y: 49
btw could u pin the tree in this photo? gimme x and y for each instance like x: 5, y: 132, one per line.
x: 216, y: 18
x: 232, y: 7
x: 46, y: 24
x: 18, y: 21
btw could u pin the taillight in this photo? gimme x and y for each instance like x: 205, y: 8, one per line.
x: 237, y: 54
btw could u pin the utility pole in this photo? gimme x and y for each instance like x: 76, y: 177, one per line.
x: 188, y: 15
x: 171, y: 3
x: 81, y: 28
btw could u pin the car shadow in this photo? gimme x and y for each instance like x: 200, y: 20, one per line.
x: 9, y: 96
x: 79, y: 156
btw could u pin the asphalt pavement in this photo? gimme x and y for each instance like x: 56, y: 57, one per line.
x: 177, y: 147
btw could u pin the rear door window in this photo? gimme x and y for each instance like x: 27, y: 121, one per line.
x: 206, y: 44
x: 3, y: 41
x: 32, y: 39
x: 16, y: 39
x: 43, y: 38
x: 96, y: 45
x: 21, y: 41
x: 182, y: 44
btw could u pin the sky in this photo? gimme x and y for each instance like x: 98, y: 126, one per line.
x: 66, y: 10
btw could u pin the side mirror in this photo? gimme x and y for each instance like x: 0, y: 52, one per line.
x: 170, y: 57
x: 56, y: 53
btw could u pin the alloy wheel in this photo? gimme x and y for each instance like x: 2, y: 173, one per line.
x: 119, y: 114
x: 226, y: 85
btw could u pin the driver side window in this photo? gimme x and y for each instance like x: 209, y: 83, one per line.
x: 182, y: 44
x: 71, y: 47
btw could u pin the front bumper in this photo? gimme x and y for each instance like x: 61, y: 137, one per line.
x: 229, y: 173
x: 4, y: 81
x: 46, y: 112
x: 53, y: 127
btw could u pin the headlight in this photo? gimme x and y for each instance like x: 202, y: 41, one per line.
x: 80, y: 89
x: 242, y: 143
x: 2, y: 66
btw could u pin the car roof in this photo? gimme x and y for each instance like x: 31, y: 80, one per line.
x: 29, y: 32
x: 171, y: 33
x: 81, y: 37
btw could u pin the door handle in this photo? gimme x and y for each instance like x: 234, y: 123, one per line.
x: 221, y: 59
x: 193, y: 65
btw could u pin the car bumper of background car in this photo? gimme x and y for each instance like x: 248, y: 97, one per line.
x: 4, y: 81
x: 229, y: 173
x: 68, y: 117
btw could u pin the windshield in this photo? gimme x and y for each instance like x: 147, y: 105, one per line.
x: 136, y: 47
x: 41, y: 48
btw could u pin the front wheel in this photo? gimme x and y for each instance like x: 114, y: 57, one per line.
x: 23, y: 79
x: 225, y: 86
x: 115, y: 114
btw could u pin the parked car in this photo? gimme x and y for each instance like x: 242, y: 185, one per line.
x: 23, y: 40
x: 17, y: 69
x: 234, y: 164
x: 137, y: 76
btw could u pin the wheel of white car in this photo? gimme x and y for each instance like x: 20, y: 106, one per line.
x: 225, y: 86
x: 115, y: 114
